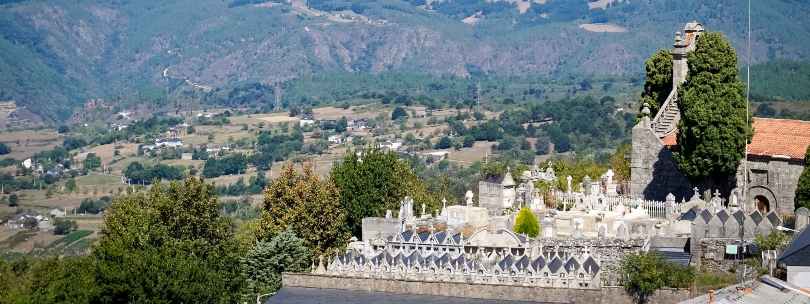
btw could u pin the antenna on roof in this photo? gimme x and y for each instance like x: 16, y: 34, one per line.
x: 747, y: 124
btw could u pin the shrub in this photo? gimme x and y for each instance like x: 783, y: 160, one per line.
x: 648, y: 271
x: 526, y: 223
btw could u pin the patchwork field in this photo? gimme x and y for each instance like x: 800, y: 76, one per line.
x: 30, y: 142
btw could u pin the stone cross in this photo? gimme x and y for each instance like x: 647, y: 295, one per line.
x: 423, y: 208
x: 569, y: 183
x: 444, y: 203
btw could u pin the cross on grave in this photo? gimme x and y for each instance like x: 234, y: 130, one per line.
x: 423, y: 208
x: 716, y: 193
x: 696, y: 190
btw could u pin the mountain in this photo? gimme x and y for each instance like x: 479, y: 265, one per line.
x: 54, y: 55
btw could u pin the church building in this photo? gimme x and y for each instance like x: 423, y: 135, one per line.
x: 772, y: 168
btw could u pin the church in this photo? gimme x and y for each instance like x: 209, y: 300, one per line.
x: 772, y: 168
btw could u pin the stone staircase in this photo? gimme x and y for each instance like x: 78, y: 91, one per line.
x: 668, y: 116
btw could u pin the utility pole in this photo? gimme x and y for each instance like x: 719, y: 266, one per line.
x: 478, y: 97
x: 277, y: 92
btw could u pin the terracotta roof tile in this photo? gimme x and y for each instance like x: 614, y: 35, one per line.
x: 772, y: 138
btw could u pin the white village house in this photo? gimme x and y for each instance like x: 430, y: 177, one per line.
x: 307, y: 120
x: 173, y: 142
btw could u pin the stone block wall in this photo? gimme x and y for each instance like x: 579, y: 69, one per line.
x: 378, y: 227
x: 654, y: 172
x: 774, y: 179
x: 710, y: 254
x: 609, y: 250
x: 482, y: 291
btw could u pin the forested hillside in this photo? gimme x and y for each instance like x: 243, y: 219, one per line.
x: 54, y: 54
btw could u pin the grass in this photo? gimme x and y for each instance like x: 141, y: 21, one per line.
x: 78, y: 247
x: 714, y: 280
x: 94, y: 179
x: 18, y: 238
x: 70, y: 238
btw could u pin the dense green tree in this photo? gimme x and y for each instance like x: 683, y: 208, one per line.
x: 308, y: 206
x: 374, y: 182
x: 802, y: 198
x: 399, y: 112
x: 64, y: 226
x: 13, y: 200
x: 647, y: 271
x: 70, y: 185
x: 92, y: 161
x: 63, y: 129
x: 444, y: 143
x: 526, y: 223
x: 295, y: 111
x: 341, y: 125
x: 714, y: 125
x: 265, y: 261
x: 51, y: 280
x: 658, y: 83
x: 542, y: 145
x: 561, y: 143
x: 469, y: 140
x: 4, y: 149
x: 152, y: 241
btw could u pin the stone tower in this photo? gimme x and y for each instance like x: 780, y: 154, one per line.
x: 684, y: 44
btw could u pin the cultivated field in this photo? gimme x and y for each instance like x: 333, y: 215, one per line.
x: 30, y: 142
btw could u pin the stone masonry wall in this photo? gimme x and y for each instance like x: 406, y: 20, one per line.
x: 616, y: 295
x: 654, y: 172
x: 710, y: 254
x: 379, y: 227
x: 610, y: 251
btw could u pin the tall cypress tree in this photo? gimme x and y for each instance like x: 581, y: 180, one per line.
x: 658, y: 83
x: 802, y: 198
x: 713, y: 128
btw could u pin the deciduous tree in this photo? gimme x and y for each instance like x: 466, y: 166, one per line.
x: 374, y: 182
x: 714, y: 125
x: 152, y: 241
x: 301, y: 201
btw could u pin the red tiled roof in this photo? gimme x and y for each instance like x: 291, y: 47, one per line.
x: 772, y: 137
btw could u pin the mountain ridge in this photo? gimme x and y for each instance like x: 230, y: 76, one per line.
x: 57, y: 55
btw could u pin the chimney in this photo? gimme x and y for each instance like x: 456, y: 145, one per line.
x: 711, y: 295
